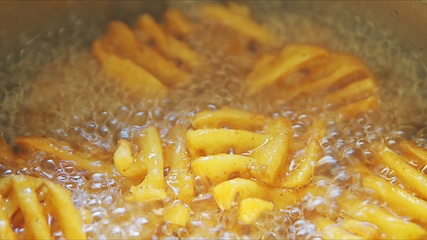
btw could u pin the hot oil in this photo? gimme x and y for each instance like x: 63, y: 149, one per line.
x: 55, y: 88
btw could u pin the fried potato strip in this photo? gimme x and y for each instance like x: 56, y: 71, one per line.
x: 411, y: 177
x: 398, y: 199
x: 168, y: 45
x: 229, y: 118
x: 64, y: 151
x: 273, y: 155
x: 153, y: 186
x: 225, y: 193
x: 392, y: 226
x: 38, y: 200
x: 177, y: 23
x: 241, y: 23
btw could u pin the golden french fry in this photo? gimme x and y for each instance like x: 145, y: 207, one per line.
x: 239, y: 9
x: 272, y: 156
x: 6, y: 231
x: 281, y: 198
x: 364, y: 229
x: 230, y: 118
x: 251, y: 208
x: 168, y: 45
x: 122, y: 41
x: 225, y: 192
x: 180, y: 180
x: 69, y: 217
x: 398, y: 199
x: 410, y: 177
x: 290, y: 58
x: 177, y: 214
x: 204, y: 142
x: 126, y: 164
x: 37, y: 200
x: 218, y: 168
x: 336, y: 232
x: 330, y: 72
x: 239, y: 23
x: 127, y: 72
x: 305, y: 162
x: 352, y: 91
x: 412, y: 151
x: 153, y: 186
x: 64, y: 151
x: 393, y: 227
x: 35, y: 222
x: 353, y: 109
x: 177, y: 23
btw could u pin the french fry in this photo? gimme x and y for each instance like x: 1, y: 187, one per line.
x: 251, y: 208
x: 168, y: 45
x: 290, y: 58
x: 64, y: 151
x: 153, y: 186
x: 218, y: 168
x: 204, y: 142
x: 126, y: 164
x: 410, y: 177
x: 28, y: 195
x: 225, y: 192
x: 68, y: 216
x: 282, y: 198
x: 272, y: 156
x: 393, y: 227
x: 177, y: 23
x: 330, y: 72
x: 177, y: 214
x: 398, y: 199
x: 353, y: 109
x: 180, y: 180
x: 364, y: 229
x: 228, y: 18
x: 230, y: 118
x: 412, y: 151
x: 352, y: 91
x: 122, y: 41
x: 336, y: 232
x: 301, y: 176
x: 127, y: 72
x: 6, y: 231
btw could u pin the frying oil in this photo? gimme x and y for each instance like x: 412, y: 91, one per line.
x: 54, y: 87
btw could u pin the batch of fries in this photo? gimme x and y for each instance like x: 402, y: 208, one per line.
x: 251, y: 162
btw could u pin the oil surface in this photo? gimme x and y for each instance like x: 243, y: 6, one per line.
x: 55, y: 88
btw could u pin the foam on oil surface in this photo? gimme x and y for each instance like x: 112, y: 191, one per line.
x: 53, y: 87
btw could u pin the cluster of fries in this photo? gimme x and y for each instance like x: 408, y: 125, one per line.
x: 30, y: 204
x: 302, y: 70
x: 406, y: 199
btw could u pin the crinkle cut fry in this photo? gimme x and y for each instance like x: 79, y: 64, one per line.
x: 389, y: 224
x: 63, y: 151
x: 177, y: 23
x: 408, y: 175
x: 132, y: 76
x: 230, y: 118
x: 153, y: 185
x: 306, y: 160
x: 25, y: 191
x: 168, y: 45
x: 397, y: 199
x: 269, y: 69
x: 121, y: 40
x: 180, y: 179
x: 271, y: 157
x: 241, y: 23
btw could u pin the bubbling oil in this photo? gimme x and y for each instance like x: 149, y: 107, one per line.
x: 58, y: 90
